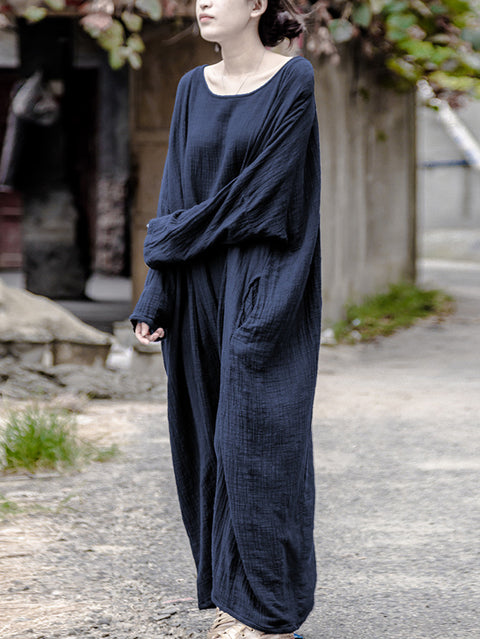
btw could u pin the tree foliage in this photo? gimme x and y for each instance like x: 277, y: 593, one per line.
x: 405, y: 40
x: 115, y: 25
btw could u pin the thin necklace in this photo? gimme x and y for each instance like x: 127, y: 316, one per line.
x: 250, y: 73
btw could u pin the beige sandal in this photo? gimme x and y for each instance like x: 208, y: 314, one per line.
x: 223, y: 621
x: 227, y: 627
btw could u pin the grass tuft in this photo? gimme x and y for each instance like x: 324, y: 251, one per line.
x: 7, y: 507
x: 34, y: 439
x: 381, y: 315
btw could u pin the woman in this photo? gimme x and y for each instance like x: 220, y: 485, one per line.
x: 234, y: 288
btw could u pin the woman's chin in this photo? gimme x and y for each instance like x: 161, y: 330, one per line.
x: 208, y: 36
x: 211, y: 33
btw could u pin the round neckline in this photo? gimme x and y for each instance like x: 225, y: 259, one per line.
x: 242, y: 95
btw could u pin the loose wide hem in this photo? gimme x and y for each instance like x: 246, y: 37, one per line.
x: 240, y: 617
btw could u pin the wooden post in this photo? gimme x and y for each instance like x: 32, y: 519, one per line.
x: 168, y: 56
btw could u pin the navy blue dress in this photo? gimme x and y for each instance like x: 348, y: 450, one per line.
x: 234, y: 257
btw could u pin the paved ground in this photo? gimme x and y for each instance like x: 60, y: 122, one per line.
x: 398, y: 513
x: 398, y: 461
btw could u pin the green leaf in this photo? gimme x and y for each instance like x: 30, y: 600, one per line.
x: 135, y: 43
x: 56, y: 5
x: 454, y: 83
x: 113, y: 37
x: 151, y: 8
x: 418, y: 49
x: 362, y: 15
x: 401, y: 21
x: 398, y: 25
x: 472, y: 36
x: 341, y: 30
x: 96, y: 23
x: 438, y: 8
x: 395, y: 35
x: 116, y: 58
x: 132, y: 21
x: 442, y: 54
x: 404, y: 69
x: 457, y: 7
x: 34, y: 14
x: 397, y: 6
x: 135, y: 60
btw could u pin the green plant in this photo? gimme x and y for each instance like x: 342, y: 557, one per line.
x: 381, y: 315
x: 7, y: 507
x: 36, y: 439
x: 99, y: 453
x: 437, y: 41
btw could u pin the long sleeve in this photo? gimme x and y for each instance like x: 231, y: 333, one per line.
x: 154, y: 306
x: 263, y: 203
x: 154, y: 303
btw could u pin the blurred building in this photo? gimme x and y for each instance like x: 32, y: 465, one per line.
x: 448, y: 186
x: 65, y: 213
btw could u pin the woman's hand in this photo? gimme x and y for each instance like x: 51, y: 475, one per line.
x: 142, y: 333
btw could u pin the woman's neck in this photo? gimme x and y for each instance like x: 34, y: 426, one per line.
x: 242, y: 57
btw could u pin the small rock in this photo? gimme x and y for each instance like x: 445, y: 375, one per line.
x: 328, y: 337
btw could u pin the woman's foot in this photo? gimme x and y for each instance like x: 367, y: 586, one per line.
x: 226, y: 627
x: 223, y: 621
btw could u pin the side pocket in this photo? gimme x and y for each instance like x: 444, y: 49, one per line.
x: 249, y: 301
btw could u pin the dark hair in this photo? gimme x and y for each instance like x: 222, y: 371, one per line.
x: 281, y: 20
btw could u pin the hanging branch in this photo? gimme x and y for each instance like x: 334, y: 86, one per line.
x: 115, y: 25
x: 406, y: 41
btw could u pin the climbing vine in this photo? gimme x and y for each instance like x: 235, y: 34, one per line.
x: 404, y: 40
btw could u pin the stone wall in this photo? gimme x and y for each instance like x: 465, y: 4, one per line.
x: 368, y: 209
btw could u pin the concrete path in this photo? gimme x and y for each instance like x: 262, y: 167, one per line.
x: 397, y: 432
x: 397, y: 448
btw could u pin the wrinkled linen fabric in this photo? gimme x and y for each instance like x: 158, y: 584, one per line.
x: 234, y: 279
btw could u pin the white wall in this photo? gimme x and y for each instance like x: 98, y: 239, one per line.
x: 448, y: 194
